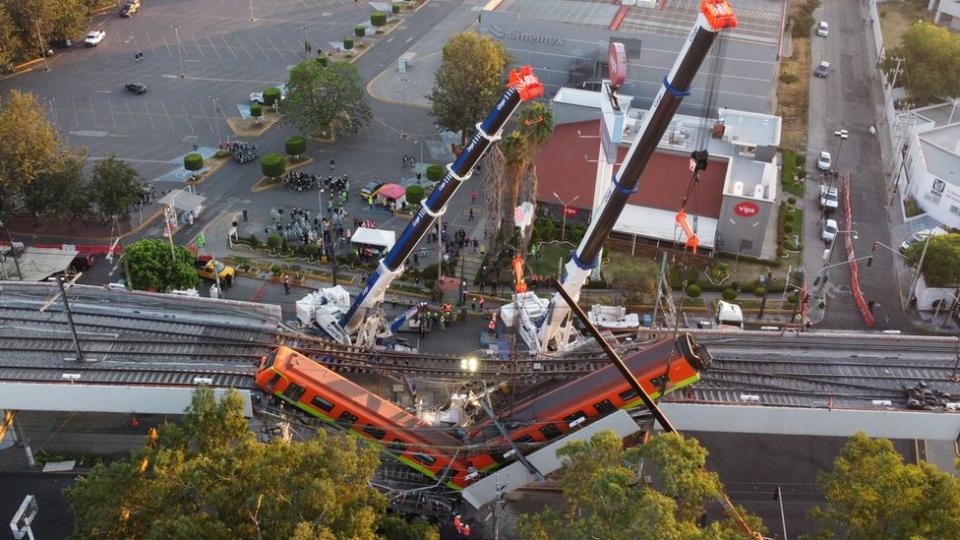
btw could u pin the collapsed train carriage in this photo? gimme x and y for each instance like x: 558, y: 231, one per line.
x: 298, y: 380
x: 662, y: 368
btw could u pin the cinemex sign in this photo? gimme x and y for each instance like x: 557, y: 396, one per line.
x: 497, y: 32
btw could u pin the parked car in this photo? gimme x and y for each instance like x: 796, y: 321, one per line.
x: 822, y: 70
x: 823, y: 29
x: 216, y: 268
x: 829, y: 230
x: 823, y: 162
x: 137, y: 88
x: 130, y: 8
x: 828, y: 197
x: 370, y: 189
x: 62, y: 43
x: 257, y: 97
x: 94, y: 38
x: 920, y: 236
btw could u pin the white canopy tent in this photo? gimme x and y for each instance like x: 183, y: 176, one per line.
x: 374, y: 237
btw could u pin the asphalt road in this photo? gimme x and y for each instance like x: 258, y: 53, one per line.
x: 54, y: 519
x: 844, y: 100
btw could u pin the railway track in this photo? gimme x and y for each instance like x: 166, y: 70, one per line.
x: 189, y: 376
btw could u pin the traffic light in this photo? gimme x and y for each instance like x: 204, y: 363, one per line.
x: 870, y: 305
x: 870, y: 261
x: 875, y: 246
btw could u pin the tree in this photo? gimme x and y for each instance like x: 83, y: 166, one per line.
x: 115, y: 187
x: 603, y: 496
x: 60, y: 190
x: 211, y: 478
x: 193, y: 161
x: 256, y: 111
x: 378, y: 18
x: 941, y: 264
x: 295, y: 145
x: 435, y: 172
x: 871, y: 493
x: 347, y: 43
x: 271, y: 96
x: 10, y: 44
x: 273, y: 165
x: 153, y: 266
x: 468, y: 83
x: 932, y: 59
x: 329, y: 100
x: 28, y: 145
x: 414, y: 194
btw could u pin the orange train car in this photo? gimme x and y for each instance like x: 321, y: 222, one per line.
x: 299, y: 380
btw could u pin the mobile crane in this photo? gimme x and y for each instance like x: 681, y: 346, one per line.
x: 554, y: 331
x: 360, y: 322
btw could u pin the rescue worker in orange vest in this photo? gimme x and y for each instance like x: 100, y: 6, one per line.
x: 492, y: 326
x: 466, y: 530
x: 481, y: 302
x: 457, y: 523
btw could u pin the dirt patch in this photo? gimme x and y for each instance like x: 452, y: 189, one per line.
x: 248, y: 127
x: 793, y: 96
x: 895, y: 18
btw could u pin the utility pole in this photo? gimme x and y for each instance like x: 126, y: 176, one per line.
x: 176, y: 29
x: 43, y: 47
x: 896, y: 71
x: 440, y: 245
x: 916, y: 273
x: 66, y: 309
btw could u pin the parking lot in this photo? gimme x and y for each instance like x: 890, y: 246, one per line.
x: 221, y: 54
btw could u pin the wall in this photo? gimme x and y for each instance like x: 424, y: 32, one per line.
x: 554, y: 50
x: 734, y: 228
x: 939, y: 199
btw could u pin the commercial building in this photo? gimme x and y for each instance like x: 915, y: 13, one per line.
x: 566, y: 42
x: 929, y: 161
x: 734, y: 206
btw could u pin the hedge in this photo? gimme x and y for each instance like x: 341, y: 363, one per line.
x: 693, y: 290
x: 274, y: 242
x: 256, y: 110
x: 347, y: 43
x: 193, y: 161
x: 322, y: 60
x: 273, y: 165
x: 271, y: 95
x: 434, y: 172
x: 729, y: 295
x: 414, y: 194
x: 295, y: 145
x: 395, y: 8
x: 359, y: 30
x: 378, y: 18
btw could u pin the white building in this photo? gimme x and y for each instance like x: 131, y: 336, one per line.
x: 930, y: 167
x: 946, y: 12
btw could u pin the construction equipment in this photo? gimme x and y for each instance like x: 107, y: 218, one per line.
x: 555, y: 331
x: 361, y: 321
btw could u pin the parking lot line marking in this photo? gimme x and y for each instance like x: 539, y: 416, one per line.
x: 244, y: 47
x: 274, y: 47
x: 152, y: 46
x: 113, y: 116
x: 212, y: 46
x: 76, y: 115
x: 165, y: 44
x: 186, y: 116
x: 149, y: 115
x: 207, y: 118
x: 133, y: 121
x: 93, y: 113
x: 228, y: 46
x: 288, y: 47
x: 263, y: 52
x: 167, y: 114
x: 195, y: 44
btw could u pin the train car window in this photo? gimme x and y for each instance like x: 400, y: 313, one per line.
x: 424, y: 458
x: 628, y: 395
x: 268, y: 363
x: 396, y: 447
x: 273, y: 382
x: 574, y: 417
x: 524, y: 439
x: 604, y: 407
x: 659, y: 381
x: 347, y: 418
x: 321, y: 403
x: 294, y: 391
x: 376, y: 433
x: 550, y: 431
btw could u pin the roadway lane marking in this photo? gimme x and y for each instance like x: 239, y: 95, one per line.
x: 214, y: 79
x: 408, y: 40
x: 186, y: 116
x: 167, y: 114
x: 229, y: 47
x: 87, y: 133
x: 104, y: 91
x: 212, y: 46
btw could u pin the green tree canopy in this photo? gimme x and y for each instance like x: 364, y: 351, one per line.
x: 115, y: 187
x: 327, y: 100
x: 28, y: 144
x: 210, y: 478
x: 153, y: 266
x: 60, y: 190
x: 604, y: 497
x: 941, y: 264
x: 468, y: 83
x: 932, y: 62
x: 871, y: 493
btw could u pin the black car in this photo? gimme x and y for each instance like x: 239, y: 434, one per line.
x: 136, y: 88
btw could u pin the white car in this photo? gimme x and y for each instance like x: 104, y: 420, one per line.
x: 829, y: 197
x: 94, y: 38
x: 829, y: 231
x: 257, y: 97
x: 823, y: 29
x: 920, y: 236
x: 823, y: 162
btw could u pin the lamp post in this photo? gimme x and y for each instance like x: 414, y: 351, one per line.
x: 252, y: 18
x: 176, y: 30
x: 563, y: 223
x: 828, y: 255
x: 43, y: 48
x: 403, y: 85
x: 842, y: 135
x: 418, y: 143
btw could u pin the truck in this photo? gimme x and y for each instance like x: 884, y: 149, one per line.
x: 729, y: 316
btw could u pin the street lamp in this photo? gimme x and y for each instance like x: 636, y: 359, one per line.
x: 403, y: 85
x: 418, y: 143
x: 828, y: 255
x: 843, y: 135
x: 252, y: 18
x: 563, y: 226
x: 176, y: 29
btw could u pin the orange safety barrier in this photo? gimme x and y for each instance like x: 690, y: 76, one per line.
x: 693, y: 241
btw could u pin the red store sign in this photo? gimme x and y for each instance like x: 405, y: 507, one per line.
x: 746, y: 209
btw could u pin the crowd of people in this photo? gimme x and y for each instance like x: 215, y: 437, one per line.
x: 242, y: 152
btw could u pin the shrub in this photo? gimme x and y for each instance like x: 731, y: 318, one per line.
x: 788, y: 228
x: 274, y: 242
x: 222, y: 153
x: 359, y: 30
x: 193, y: 161
x: 295, y: 145
x: 271, y: 95
x: 793, y: 298
x: 322, y: 60
x: 760, y: 291
x: 395, y: 8
x: 414, y: 194
x: 347, y: 43
x: 378, y: 18
x: 792, y: 200
x: 693, y: 290
x: 434, y: 172
x: 729, y: 295
x: 256, y: 110
x: 273, y: 165
x: 312, y: 250
x: 253, y: 241
x: 788, y: 78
